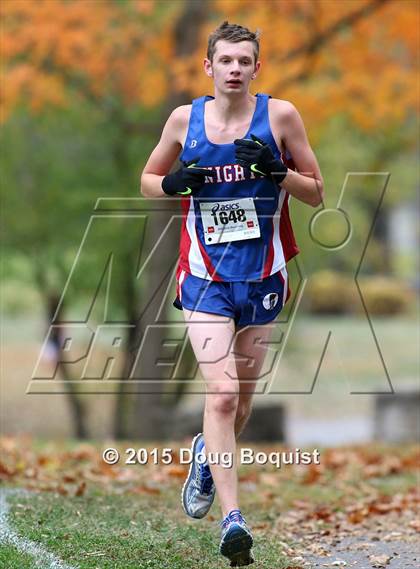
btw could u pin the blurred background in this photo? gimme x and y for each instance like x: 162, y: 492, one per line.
x: 86, y: 88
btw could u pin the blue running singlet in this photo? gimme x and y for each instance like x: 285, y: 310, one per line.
x: 245, y: 259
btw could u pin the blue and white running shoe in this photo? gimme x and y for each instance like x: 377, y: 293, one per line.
x: 199, y: 489
x: 237, y: 541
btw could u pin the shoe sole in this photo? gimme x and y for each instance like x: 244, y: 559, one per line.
x: 238, y: 549
x: 241, y: 559
x: 187, y: 481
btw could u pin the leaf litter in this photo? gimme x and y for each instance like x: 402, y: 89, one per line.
x: 352, y: 521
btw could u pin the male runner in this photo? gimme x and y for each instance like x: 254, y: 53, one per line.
x: 236, y: 238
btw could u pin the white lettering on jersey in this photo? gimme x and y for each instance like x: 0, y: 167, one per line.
x: 219, y: 177
x: 239, y: 173
x: 227, y: 173
x: 230, y: 173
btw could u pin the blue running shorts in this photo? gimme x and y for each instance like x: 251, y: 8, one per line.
x: 247, y: 303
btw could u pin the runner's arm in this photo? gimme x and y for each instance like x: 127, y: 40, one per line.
x: 306, y: 184
x: 162, y: 157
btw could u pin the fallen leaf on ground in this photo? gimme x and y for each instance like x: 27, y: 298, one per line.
x: 144, y: 489
x: 363, y: 545
x: 80, y: 489
x: 379, y: 560
x: 415, y: 524
x: 313, y: 473
x: 391, y: 536
x: 177, y: 471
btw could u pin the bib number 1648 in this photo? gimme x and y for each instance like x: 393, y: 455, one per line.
x: 234, y: 215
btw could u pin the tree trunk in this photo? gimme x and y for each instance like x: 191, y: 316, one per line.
x: 381, y: 234
x: 122, y: 402
x: 77, y: 408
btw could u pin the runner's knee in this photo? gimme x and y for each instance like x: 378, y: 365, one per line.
x: 224, y: 400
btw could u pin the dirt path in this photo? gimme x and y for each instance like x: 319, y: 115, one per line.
x: 389, y: 540
x: 366, y: 553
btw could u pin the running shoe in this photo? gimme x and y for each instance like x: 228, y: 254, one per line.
x: 199, y: 490
x: 236, y: 542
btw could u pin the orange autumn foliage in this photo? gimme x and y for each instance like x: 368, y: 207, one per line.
x: 52, y: 49
x: 354, y: 56
x: 367, y: 69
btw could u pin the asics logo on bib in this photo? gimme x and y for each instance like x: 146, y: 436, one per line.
x: 225, y: 207
x: 270, y: 300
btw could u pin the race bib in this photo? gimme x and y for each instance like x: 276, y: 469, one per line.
x: 232, y: 220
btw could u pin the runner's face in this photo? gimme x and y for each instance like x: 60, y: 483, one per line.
x: 233, y: 66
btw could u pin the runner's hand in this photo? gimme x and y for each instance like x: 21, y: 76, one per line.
x: 185, y: 181
x: 257, y: 156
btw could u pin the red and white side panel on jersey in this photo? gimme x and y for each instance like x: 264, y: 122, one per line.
x: 179, y: 287
x: 275, y: 254
x: 199, y: 262
x: 285, y: 278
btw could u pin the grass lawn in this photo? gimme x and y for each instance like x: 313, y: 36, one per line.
x: 12, y: 558
x: 107, y: 532
x: 91, y: 515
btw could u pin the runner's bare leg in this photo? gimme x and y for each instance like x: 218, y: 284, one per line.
x: 249, y: 349
x: 211, y: 337
x: 230, y: 384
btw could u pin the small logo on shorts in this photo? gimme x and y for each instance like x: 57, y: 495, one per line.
x: 270, y: 300
x: 193, y: 143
